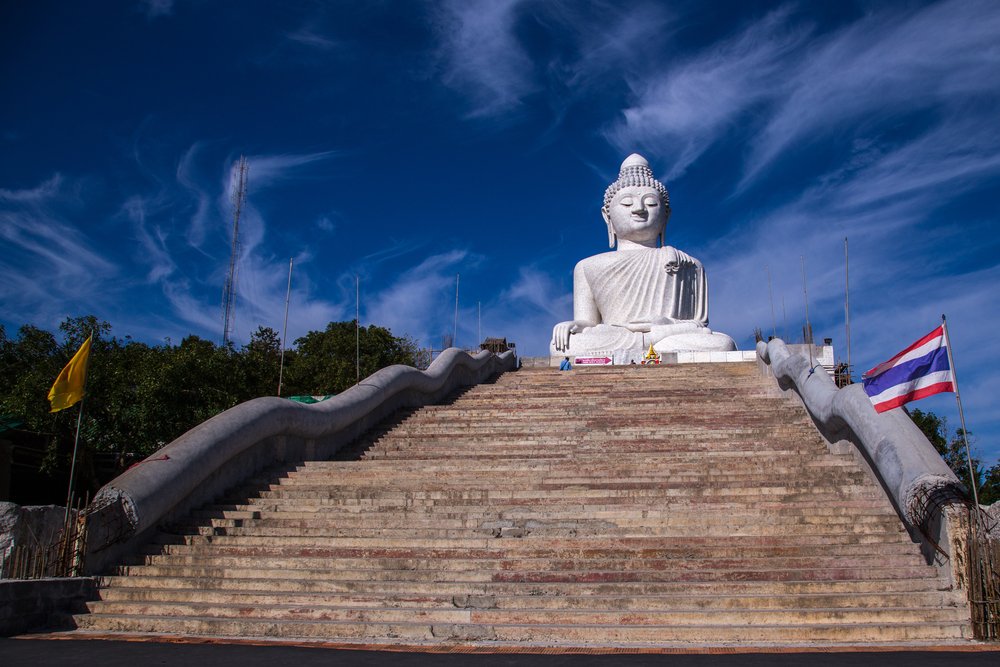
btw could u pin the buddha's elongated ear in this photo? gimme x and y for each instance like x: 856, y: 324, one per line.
x: 661, y: 238
x: 612, y: 239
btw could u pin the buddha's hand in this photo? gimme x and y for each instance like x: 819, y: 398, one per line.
x: 561, y: 333
x: 660, y: 331
x: 646, y: 327
x: 676, y: 261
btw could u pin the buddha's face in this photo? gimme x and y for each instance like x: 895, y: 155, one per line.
x: 636, y: 214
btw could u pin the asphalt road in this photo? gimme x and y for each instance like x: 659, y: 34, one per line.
x: 103, y: 653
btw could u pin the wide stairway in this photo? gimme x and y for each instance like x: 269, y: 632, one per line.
x: 616, y: 506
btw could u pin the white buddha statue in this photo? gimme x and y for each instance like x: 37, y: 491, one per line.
x: 643, y: 293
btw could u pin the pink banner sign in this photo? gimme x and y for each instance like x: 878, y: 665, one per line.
x: 593, y: 361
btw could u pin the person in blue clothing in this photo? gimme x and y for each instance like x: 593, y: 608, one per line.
x: 565, y: 365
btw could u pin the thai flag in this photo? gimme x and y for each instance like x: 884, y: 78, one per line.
x: 919, y: 371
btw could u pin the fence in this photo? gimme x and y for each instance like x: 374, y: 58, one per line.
x: 983, y: 564
x: 62, y: 557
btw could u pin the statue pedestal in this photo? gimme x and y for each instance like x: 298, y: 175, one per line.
x: 628, y: 357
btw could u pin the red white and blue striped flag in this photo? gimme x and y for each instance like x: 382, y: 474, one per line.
x: 919, y: 371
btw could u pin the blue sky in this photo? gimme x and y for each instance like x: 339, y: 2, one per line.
x: 407, y: 142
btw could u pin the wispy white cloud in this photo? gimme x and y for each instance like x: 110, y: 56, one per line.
x: 611, y: 40
x: 420, y: 302
x: 793, y: 86
x: 267, y: 170
x: 185, y: 175
x: 486, y: 58
x: 696, y: 101
x: 940, y: 56
x: 528, y: 308
x: 482, y: 55
x: 152, y: 239
x: 188, y: 307
x: 308, y: 36
x: 39, y: 194
x: 156, y: 8
x: 50, y: 267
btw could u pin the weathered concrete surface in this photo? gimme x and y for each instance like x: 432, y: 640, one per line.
x: 38, y: 604
x: 909, y: 468
x: 228, y: 448
x: 39, y: 525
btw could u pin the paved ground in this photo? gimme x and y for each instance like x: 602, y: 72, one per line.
x: 106, y: 653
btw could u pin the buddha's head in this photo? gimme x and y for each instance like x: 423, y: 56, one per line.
x: 636, y: 206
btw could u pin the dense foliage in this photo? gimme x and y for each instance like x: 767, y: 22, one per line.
x: 140, y: 396
x: 952, y: 450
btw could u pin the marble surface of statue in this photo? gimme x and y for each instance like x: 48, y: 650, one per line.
x: 644, y: 292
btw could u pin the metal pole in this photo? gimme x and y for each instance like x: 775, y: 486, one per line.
x: 76, y: 439
x: 784, y: 319
x: 454, y: 335
x: 76, y: 442
x: 961, y: 413
x: 774, y: 323
x: 847, y: 307
x: 284, y: 329
x: 357, y: 329
x: 805, y: 294
x: 479, y: 320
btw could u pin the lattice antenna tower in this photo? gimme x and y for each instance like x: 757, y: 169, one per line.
x: 239, y: 198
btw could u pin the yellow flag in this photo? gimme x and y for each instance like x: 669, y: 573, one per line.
x: 67, y: 390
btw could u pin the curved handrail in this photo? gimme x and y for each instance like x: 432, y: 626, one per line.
x: 263, y: 431
x: 913, y: 473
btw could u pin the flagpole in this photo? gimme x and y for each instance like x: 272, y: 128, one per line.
x: 357, y: 329
x: 847, y: 308
x: 805, y: 296
x: 961, y: 413
x: 454, y: 335
x: 284, y: 330
x: 72, y: 467
x: 770, y: 293
x: 76, y: 442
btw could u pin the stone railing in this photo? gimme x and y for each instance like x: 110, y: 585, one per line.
x: 915, y: 477
x: 230, y: 447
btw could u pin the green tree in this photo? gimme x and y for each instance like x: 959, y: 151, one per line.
x: 952, y: 450
x: 324, y: 362
x: 261, y: 359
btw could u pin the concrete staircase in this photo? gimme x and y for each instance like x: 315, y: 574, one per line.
x: 688, y: 504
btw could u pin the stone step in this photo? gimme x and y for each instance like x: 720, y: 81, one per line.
x: 529, y: 543
x: 555, y: 467
x: 668, y: 495
x: 532, y: 543
x: 566, y: 634
x: 710, y: 464
x: 722, y: 574
x: 482, y: 500
x: 509, y: 564
x: 627, y: 589
x: 468, y: 508
x: 676, y: 617
x: 529, y: 518
x: 536, y: 549
x: 407, y: 599
x: 513, y: 487
x: 543, y: 530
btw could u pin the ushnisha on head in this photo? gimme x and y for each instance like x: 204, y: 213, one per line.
x: 636, y: 206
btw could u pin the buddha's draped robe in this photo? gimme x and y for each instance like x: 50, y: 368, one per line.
x: 639, y: 287
x: 636, y: 286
